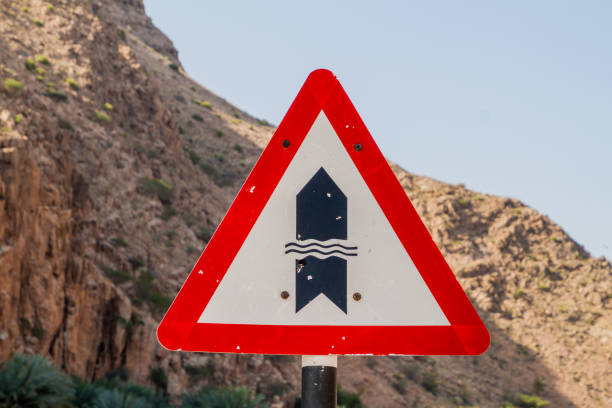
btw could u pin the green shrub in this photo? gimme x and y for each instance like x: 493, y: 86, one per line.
x: 223, y: 398
x: 147, y: 292
x: 430, y: 381
x: 159, y: 378
x: 50, y: 7
x: 115, y: 275
x: 101, y: 117
x: 263, y: 122
x: 197, y: 373
x: 204, y: 234
x: 159, y: 188
x: 118, y: 399
x: 238, y: 148
x: 399, y: 385
x: 519, y: 293
x: 30, y: 64
x: 193, y: 156
x: 12, y: 85
x: 120, y: 242
x: 348, y: 399
x: 220, y: 179
x: 57, y: 95
x: 543, y: 288
x: 18, y: 118
x: 122, y: 35
x: 37, y: 22
x: 43, y: 60
x: 72, y: 84
x: 85, y: 393
x: 168, y: 212
x: 25, y: 9
x: 174, y: 67
x: 64, y: 124
x: 219, y: 133
x: 136, y: 262
x: 108, y: 107
x: 197, y: 117
x: 236, y: 115
x: 40, y: 78
x: 410, y: 371
x: 206, y: 104
x: 464, y: 202
x: 41, y: 71
x: 525, y: 401
x: 270, y: 389
x: 32, y: 382
x: 539, y: 384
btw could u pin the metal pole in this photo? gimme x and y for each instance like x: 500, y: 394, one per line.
x: 319, y: 388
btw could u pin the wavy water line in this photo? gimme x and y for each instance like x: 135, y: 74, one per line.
x: 317, y: 244
x: 313, y: 251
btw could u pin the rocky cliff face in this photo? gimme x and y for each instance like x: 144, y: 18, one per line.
x: 115, y: 168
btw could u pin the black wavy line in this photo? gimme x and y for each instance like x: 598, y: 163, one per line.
x: 320, y: 252
x: 319, y: 245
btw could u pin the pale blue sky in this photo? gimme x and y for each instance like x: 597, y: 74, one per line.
x: 513, y: 99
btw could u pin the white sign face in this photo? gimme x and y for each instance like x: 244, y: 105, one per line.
x: 323, y: 242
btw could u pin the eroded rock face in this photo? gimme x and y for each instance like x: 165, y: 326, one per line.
x: 110, y: 188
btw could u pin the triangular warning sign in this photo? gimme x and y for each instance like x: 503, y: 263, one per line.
x: 322, y: 253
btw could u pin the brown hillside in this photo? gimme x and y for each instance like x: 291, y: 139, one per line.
x: 115, y: 168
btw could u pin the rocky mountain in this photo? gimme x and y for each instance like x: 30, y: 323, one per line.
x: 116, y: 167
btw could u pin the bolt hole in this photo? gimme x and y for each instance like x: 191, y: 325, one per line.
x: 358, y: 147
x: 284, y: 294
x: 356, y: 296
x: 286, y: 143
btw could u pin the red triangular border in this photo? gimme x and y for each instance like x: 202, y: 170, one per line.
x: 179, y: 329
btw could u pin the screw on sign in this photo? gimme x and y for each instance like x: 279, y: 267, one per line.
x: 322, y: 221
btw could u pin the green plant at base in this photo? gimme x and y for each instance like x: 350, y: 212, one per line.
x: 41, y: 71
x: 159, y: 378
x: 348, y: 399
x: 37, y: 22
x: 18, y: 118
x: 238, y: 148
x: 197, y: 117
x: 32, y: 382
x: 223, y: 398
x: 206, y: 104
x: 118, y: 399
x: 219, y: 133
x: 85, y: 393
x: 108, y: 107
